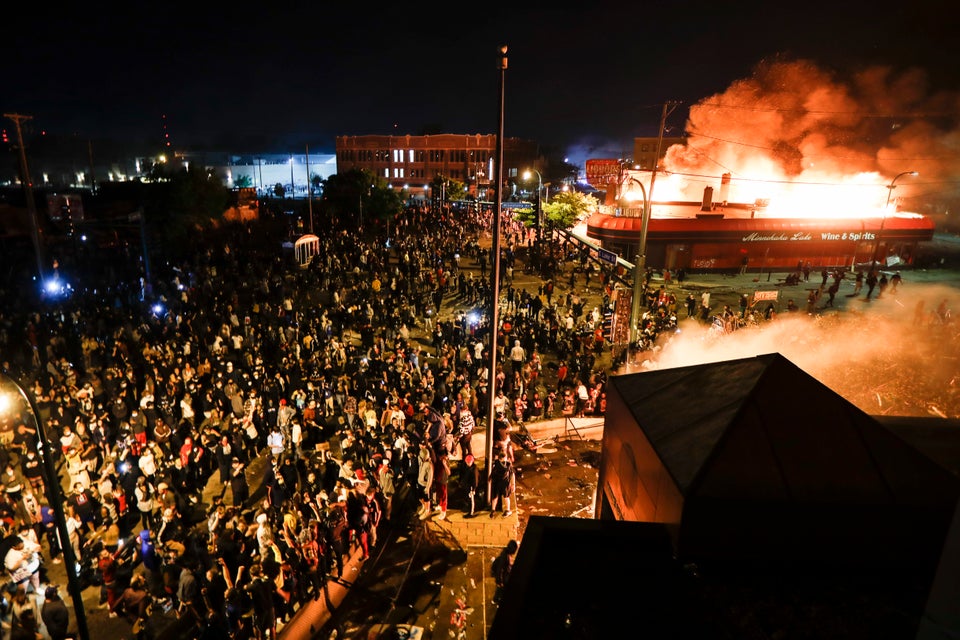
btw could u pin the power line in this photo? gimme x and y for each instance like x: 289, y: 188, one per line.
x: 862, y: 114
x: 836, y: 157
x: 803, y: 182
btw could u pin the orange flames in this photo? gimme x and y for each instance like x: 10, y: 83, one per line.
x: 794, y: 136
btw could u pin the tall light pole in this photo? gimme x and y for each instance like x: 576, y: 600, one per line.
x: 886, y: 206
x: 495, y: 277
x: 291, y: 177
x: 54, y: 489
x: 640, y: 266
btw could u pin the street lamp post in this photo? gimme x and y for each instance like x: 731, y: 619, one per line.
x: 291, y: 177
x: 883, y: 220
x: 55, y: 498
x: 639, y: 267
x: 502, y: 63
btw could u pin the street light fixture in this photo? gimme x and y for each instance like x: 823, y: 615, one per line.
x: 886, y: 207
x: 54, y: 489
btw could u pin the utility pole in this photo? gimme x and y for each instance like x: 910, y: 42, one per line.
x: 640, y: 264
x: 495, y: 277
x: 668, y: 108
x: 28, y: 187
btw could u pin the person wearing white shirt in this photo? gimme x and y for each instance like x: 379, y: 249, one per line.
x: 147, y: 463
x: 296, y: 437
x: 22, y: 562
x: 275, y: 441
x: 74, y: 526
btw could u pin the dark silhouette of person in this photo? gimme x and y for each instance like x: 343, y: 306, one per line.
x: 871, y: 284
x: 831, y: 293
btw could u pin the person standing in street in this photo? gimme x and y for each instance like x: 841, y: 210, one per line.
x: 500, y: 474
x: 857, y: 284
x: 441, y: 477
x: 55, y: 615
x: 501, y: 568
x: 871, y: 284
x: 239, y: 488
x: 424, y: 480
x: 470, y: 480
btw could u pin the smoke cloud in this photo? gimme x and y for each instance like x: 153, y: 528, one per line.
x: 794, y: 128
x: 890, y: 356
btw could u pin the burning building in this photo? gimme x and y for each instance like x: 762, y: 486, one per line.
x: 711, y: 235
x: 789, y: 166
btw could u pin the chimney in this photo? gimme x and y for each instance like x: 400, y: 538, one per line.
x: 724, y: 189
x: 707, y: 199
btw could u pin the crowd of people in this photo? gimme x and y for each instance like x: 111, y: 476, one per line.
x: 309, y: 398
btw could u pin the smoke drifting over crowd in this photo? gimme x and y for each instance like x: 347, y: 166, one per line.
x: 815, y: 145
x: 887, y: 357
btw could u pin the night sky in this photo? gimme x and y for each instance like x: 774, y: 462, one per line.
x: 268, y: 76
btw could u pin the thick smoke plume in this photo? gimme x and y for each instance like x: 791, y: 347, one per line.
x: 794, y: 129
x: 891, y: 356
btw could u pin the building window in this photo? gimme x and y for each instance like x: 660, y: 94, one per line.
x: 411, y: 155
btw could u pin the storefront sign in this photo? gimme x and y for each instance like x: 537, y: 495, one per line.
x: 841, y: 236
x: 856, y: 237
x: 777, y: 237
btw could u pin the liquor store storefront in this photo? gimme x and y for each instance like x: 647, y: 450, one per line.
x: 715, y: 242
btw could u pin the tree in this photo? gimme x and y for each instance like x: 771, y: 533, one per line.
x: 186, y: 199
x: 527, y: 215
x: 444, y: 189
x: 243, y: 181
x: 566, y: 208
x: 359, y: 199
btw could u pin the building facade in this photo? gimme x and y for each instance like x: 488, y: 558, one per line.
x: 717, y: 235
x: 412, y: 162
